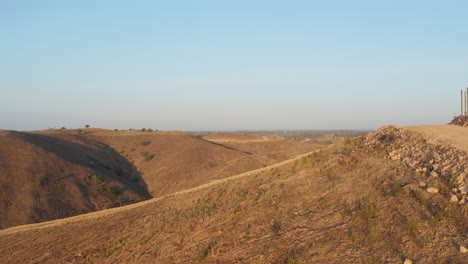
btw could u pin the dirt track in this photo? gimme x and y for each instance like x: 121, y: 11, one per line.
x: 113, y: 211
x: 456, y: 136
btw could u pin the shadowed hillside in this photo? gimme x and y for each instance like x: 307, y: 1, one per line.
x: 44, y: 177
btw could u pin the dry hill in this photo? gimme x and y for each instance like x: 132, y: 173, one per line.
x: 53, y: 174
x: 181, y: 161
x: 354, y: 202
x: 44, y: 177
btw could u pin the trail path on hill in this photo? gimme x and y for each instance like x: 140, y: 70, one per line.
x: 456, y: 136
x: 113, y: 211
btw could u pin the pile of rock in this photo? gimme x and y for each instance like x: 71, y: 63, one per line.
x: 428, y: 156
x: 460, y: 121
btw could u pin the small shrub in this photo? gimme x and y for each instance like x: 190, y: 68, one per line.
x: 452, y: 179
x: 327, y: 240
x: 322, y: 200
x: 257, y: 197
x: 204, y: 252
x: 411, y: 227
x: 247, y: 230
x: 236, y: 210
x: 243, y: 192
x: 145, y: 143
x: 331, y: 178
x: 392, y: 189
x: 111, y: 192
x: 276, y: 227
x: 366, y: 210
x: 96, y: 178
x: 42, y: 179
x: 146, y: 155
x: 417, y: 194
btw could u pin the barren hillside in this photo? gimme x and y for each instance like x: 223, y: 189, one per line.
x: 44, y: 177
x: 183, y: 161
x: 354, y: 202
x: 53, y: 174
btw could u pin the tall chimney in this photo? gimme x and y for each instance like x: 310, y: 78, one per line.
x: 465, y: 104
x: 461, y: 104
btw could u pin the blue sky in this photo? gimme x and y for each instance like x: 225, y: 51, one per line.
x: 231, y: 65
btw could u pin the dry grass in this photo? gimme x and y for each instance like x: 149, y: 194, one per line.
x: 370, y: 211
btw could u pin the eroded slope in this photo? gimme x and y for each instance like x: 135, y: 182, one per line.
x: 45, y: 177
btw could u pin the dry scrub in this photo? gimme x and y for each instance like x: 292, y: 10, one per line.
x: 346, y: 204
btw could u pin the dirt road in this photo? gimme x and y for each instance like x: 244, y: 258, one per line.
x: 456, y: 136
x: 113, y: 211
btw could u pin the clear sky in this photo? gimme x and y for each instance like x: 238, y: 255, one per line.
x: 231, y: 65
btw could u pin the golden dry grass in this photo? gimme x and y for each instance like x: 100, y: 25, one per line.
x: 345, y: 204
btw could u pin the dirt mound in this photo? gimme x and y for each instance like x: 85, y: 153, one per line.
x: 346, y: 204
x: 46, y: 177
x: 460, y: 121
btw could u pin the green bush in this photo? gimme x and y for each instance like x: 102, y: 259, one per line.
x: 42, y: 179
x: 204, y: 252
x: 145, y: 143
x: 146, y: 155
x: 112, y: 192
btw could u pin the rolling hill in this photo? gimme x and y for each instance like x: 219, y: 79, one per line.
x: 52, y: 174
x: 365, y: 200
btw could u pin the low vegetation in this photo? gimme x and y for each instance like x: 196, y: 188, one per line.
x: 348, y: 203
x: 146, y: 155
x: 145, y: 142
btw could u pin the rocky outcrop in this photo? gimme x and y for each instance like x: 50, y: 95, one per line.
x: 460, y: 121
x: 430, y: 157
